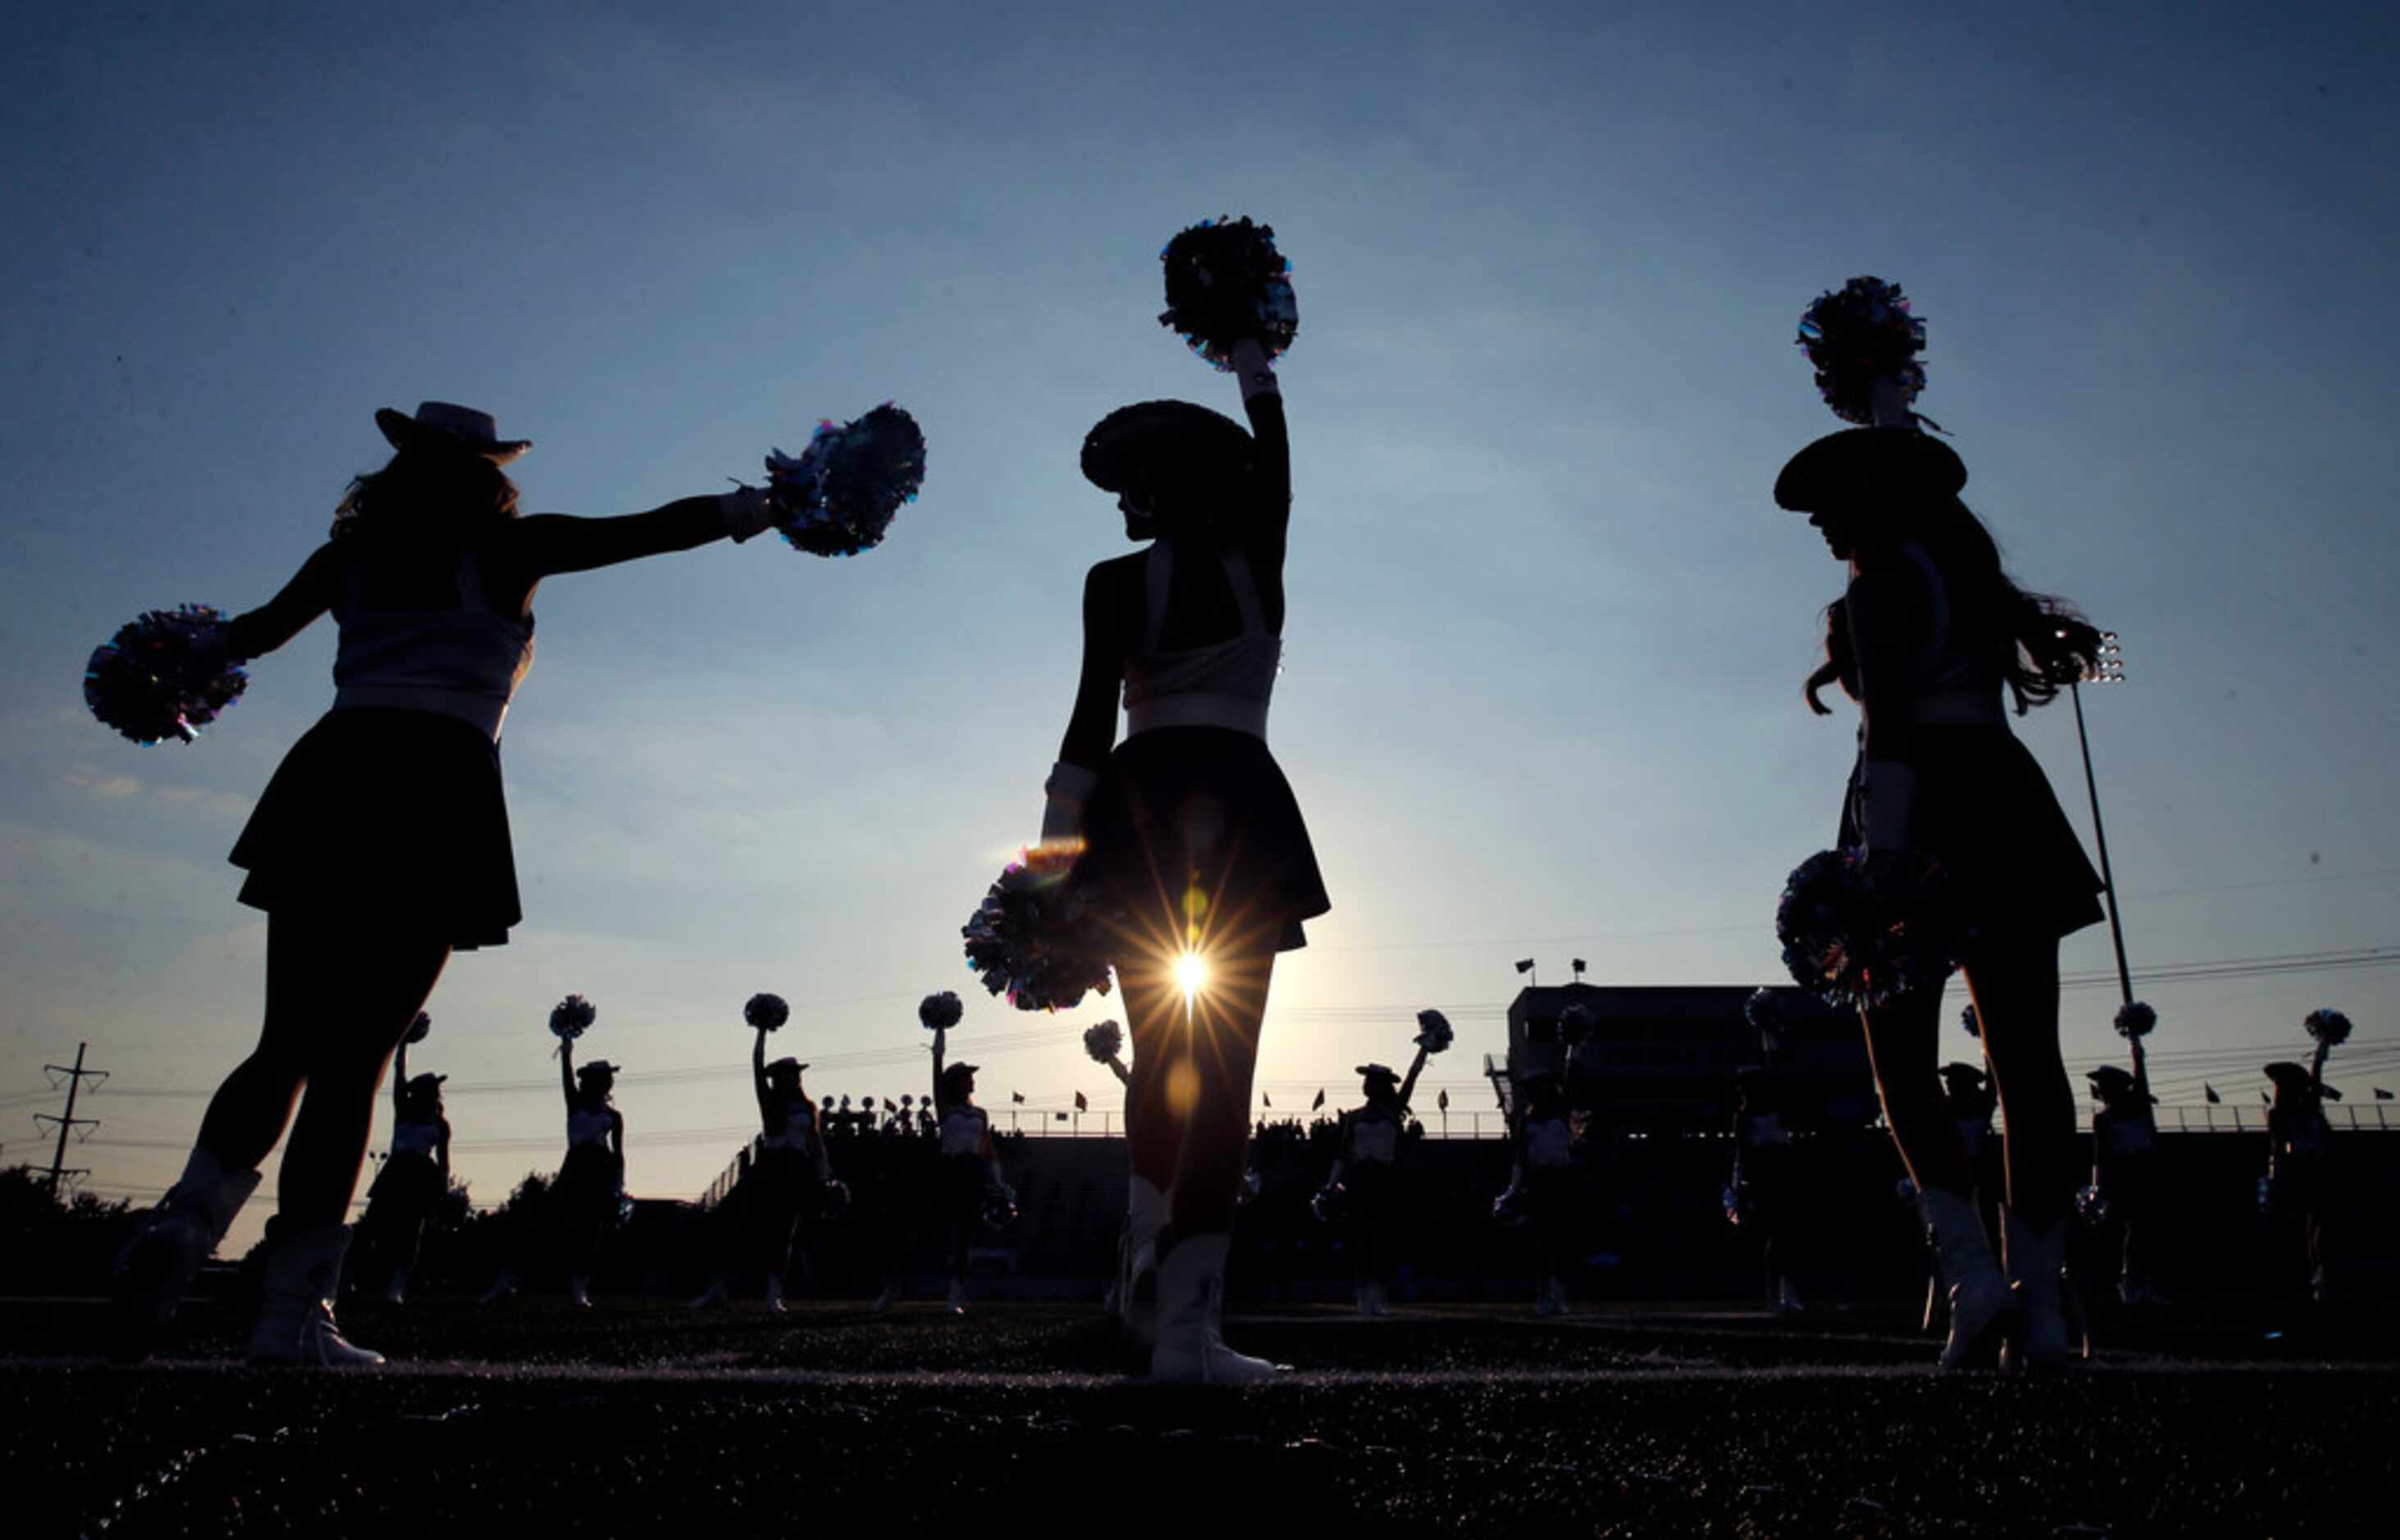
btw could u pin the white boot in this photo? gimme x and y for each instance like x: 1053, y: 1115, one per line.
x: 2037, y: 1267
x: 1787, y: 1297
x: 714, y: 1295
x: 1559, y: 1305
x: 958, y: 1296
x: 395, y: 1289
x: 579, y: 1290
x: 154, y: 1270
x: 1191, y: 1288
x: 1137, y: 1291
x: 295, y: 1312
x: 885, y: 1300
x: 503, y: 1289
x: 1372, y: 1304
x: 775, y: 1292
x: 1980, y: 1300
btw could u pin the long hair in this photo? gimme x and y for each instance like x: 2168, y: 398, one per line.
x: 2048, y: 642
x: 430, y: 494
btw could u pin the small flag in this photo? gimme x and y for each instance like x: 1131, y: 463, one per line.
x: 1442, y: 1101
x: 1580, y: 964
x: 888, y: 1106
x: 2382, y: 1095
x: 1524, y: 964
x: 1081, y: 1105
x: 1319, y: 1101
x: 2210, y: 1091
x: 1017, y: 1096
x: 1059, y: 1117
x: 1266, y: 1101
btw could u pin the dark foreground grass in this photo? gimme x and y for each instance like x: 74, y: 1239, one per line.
x: 641, y: 1418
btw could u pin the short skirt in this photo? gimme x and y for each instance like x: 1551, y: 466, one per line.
x: 393, y: 819
x: 963, y: 1181
x: 411, y: 1181
x: 1201, y: 810
x: 1985, y: 810
x: 591, y: 1186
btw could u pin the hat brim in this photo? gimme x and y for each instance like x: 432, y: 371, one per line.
x: 1164, y: 441
x: 1868, y: 464
x: 406, y: 432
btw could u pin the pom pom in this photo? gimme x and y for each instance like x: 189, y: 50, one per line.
x: 570, y: 1016
x: 765, y: 1013
x: 1738, y: 1205
x: 1226, y: 281
x: 1862, y: 942
x: 1037, y: 941
x: 1970, y: 1020
x: 1434, y: 1032
x: 2136, y: 1020
x: 1764, y: 1011
x: 839, y: 496
x: 2092, y: 1206
x: 940, y: 1013
x: 1104, y: 1041
x: 1331, y: 1203
x: 999, y: 1207
x: 1510, y: 1207
x: 164, y: 674
x: 420, y: 1029
x: 1860, y: 335
x: 2330, y: 1028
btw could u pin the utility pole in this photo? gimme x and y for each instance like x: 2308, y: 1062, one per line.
x: 69, y: 1123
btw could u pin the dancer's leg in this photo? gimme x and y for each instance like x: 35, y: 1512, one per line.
x: 1221, y: 1052
x: 1903, y: 1043
x: 1155, y: 1118
x: 2015, y: 983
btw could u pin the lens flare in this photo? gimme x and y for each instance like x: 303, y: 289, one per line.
x: 1191, y: 975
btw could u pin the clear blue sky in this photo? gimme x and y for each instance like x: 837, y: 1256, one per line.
x: 1546, y: 628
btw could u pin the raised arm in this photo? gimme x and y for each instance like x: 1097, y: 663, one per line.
x: 2141, y: 1074
x: 310, y: 593
x: 544, y: 544
x: 441, y: 1154
x: 566, y: 1071
x: 941, y: 1102
x: 759, y: 1073
x: 400, y: 1081
x: 1408, y: 1085
x: 1263, y: 402
x: 1117, y: 1068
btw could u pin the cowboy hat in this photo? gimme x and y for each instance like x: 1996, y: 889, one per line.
x: 1155, y: 442
x: 439, y: 425
x: 1886, y: 464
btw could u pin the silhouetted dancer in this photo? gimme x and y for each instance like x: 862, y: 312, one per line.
x: 1366, y: 1176
x: 969, y: 1175
x: 1936, y: 632
x: 411, y: 1185
x: 587, y: 1202
x: 1764, y: 1184
x: 1191, y: 830
x: 382, y: 843
x: 2125, y: 1168
x: 1541, y: 1187
x: 2299, y: 1158
x: 791, y: 1174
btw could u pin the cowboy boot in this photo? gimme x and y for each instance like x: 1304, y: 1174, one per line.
x: 155, y: 1268
x: 1981, y: 1302
x: 775, y: 1292
x: 2036, y: 1265
x: 1191, y: 1288
x: 1137, y: 1291
x: 295, y: 1312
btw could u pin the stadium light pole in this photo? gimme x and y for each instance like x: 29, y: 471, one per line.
x: 2109, y: 668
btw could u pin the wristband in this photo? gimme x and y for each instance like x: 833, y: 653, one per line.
x: 1251, y: 370
x: 745, y: 512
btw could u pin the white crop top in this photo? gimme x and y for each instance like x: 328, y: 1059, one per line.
x: 1226, y: 683
x: 590, y: 1127
x: 799, y: 1130
x: 1550, y: 1143
x: 465, y: 661
x: 415, y: 1137
x: 962, y: 1130
x: 1374, y: 1141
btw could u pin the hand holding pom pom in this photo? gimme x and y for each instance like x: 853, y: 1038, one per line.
x: 767, y: 1013
x: 2136, y: 1020
x: 1434, y: 1032
x: 164, y: 674
x: 1863, y: 343
x: 571, y: 1016
x: 839, y: 496
x: 1225, y: 282
x: 2331, y: 1028
x: 940, y: 1013
x: 1104, y: 1043
x: 420, y: 1029
x: 1762, y: 1011
x: 1863, y: 938
x: 1036, y: 940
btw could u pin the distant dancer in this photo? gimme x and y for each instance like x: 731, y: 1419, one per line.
x: 1542, y: 1186
x: 382, y: 843
x: 2125, y: 1170
x: 587, y: 1202
x: 411, y: 1185
x: 2300, y: 1162
x: 969, y: 1176
x: 790, y: 1175
x: 1365, y: 1175
x: 1765, y: 1185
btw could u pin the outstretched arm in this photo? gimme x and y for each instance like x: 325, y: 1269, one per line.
x: 543, y: 544
x: 1117, y: 1068
x: 310, y: 593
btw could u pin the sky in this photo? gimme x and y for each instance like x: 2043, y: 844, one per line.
x: 1541, y: 686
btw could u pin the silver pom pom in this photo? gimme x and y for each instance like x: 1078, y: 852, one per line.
x: 1104, y: 1041
x: 419, y: 1029
x: 2136, y: 1020
x: 1434, y: 1032
x: 941, y: 1012
x: 2330, y: 1028
x: 570, y: 1016
x: 765, y: 1013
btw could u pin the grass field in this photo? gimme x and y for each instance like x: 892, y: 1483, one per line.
x: 640, y: 1417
